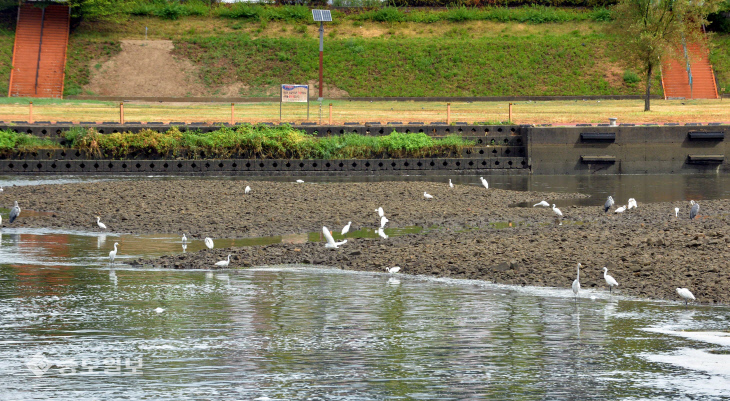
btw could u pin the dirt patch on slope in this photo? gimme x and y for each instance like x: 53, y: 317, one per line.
x: 145, y: 68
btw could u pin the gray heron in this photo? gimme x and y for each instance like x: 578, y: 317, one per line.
x: 692, y: 213
x: 14, y: 212
x: 608, y: 204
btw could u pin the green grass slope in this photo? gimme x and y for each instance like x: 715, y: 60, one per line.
x: 452, y: 65
x: 7, y: 39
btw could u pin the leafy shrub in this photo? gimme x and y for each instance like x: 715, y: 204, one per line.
x: 631, y: 77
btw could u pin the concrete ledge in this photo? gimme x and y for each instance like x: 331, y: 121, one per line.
x: 705, y: 159
x: 598, y: 136
x: 598, y: 159
x: 707, y: 136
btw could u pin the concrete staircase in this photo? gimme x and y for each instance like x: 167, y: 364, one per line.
x: 39, y: 54
x: 675, y: 76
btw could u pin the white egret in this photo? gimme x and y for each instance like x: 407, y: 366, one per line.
x: 14, y: 212
x: 159, y: 310
x: 383, y: 221
x: 184, y: 239
x: 609, y: 280
x: 484, y: 182
x: 113, y: 254
x: 184, y: 246
x: 394, y: 269
x: 101, y: 225
x: 576, y: 283
x: 620, y: 209
x: 346, y: 228
x: 427, y: 195
x: 224, y: 263
x: 380, y: 211
x: 542, y: 203
x: 608, y: 204
x: 686, y: 294
x: 692, y: 213
x: 209, y: 242
x: 247, y: 190
x: 451, y: 185
x: 382, y: 233
x: 300, y: 181
x: 1, y: 189
x: 632, y: 203
x: 557, y: 211
x: 676, y: 212
x: 331, y: 241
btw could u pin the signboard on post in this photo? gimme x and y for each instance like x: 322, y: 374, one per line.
x: 294, y: 94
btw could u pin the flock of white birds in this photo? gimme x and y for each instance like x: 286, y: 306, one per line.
x: 685, y: 293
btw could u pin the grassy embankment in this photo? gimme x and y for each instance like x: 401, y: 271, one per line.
x: 7, y: 39
x: 458, y: 52
x: 253, y: 141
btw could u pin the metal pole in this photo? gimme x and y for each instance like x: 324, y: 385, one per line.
x: 30, y: 113
x: 510, y: 113
x: 321, y: 53
x: 121, y: 112
x: 307, y: 105
x: 232, y: 119
x: 330, y: 113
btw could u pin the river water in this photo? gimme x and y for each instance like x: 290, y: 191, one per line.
x: 73, y: 327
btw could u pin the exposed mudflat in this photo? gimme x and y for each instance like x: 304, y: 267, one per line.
x: 648, y: 250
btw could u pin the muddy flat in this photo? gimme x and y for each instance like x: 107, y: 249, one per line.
x: 648, y: 250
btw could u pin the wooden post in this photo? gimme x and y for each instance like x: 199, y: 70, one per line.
x: 30, y: 113
x: 121, y: 113
x: 448, y: 113
x: 330, y: 113
x: 232, y: 119
x: 510, y: 113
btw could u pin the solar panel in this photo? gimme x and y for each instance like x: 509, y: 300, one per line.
x: 322, y: 15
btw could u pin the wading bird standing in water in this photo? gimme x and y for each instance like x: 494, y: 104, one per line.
x: 609, y: 280
x: 113, y: 254
x: 224, y: 263
x: 576, y: 283
x: 99, y: 223
x: 686, y: 294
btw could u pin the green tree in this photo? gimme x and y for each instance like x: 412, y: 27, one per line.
x: 654, y: 29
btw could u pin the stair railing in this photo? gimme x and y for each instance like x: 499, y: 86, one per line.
x: 689, y: 69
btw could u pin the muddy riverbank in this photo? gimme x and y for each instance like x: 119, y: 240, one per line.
x: 648, y: 250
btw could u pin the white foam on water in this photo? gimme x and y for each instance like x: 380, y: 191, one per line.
x: 710, y: 337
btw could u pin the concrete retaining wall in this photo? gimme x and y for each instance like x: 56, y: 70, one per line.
x: 627, y: 149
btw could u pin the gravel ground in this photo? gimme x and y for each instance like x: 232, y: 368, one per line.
x: 648, y: 250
